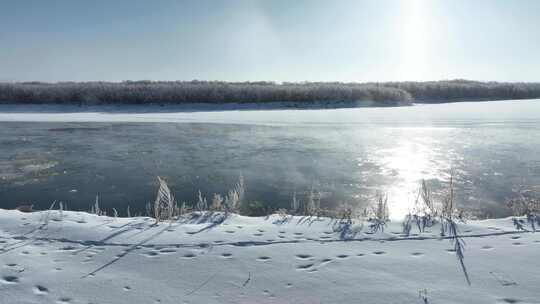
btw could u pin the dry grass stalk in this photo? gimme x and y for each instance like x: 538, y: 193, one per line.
x: 379, y: 214
x: 164, y: 203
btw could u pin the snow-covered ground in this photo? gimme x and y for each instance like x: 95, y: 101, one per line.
x: 75, y: 257
x: 481, y: 113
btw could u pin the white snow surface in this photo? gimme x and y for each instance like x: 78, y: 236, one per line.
x: 486, y: 113
x: 76, y: 257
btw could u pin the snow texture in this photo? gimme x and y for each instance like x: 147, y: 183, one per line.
x: 76, y: 257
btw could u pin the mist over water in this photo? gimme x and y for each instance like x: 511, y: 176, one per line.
x: 347, y: 154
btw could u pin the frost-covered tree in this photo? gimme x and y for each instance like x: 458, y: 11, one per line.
x: 179, y: 92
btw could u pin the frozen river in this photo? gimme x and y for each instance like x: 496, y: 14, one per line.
x: 72, y: 154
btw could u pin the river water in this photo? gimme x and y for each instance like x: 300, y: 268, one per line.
x: 71, y: 155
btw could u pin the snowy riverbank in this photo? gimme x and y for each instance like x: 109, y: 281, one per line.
x: 76, y: 257
x: 446, y: 114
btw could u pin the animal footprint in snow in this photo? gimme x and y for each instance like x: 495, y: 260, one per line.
x: 417, y: 254
x: 263, y: 259
x: 517, y: 244
x: 64, y: 300
x: 325, y: 261
x: 10, y: 279
x: 257, y: 234
x: 167, y: 250
x: 509, y: 300
x: 67, y: 248
x: 40, y: 290
x: 503, y: 279
x: 303, y: 256
x: 150, y: 254
x: 304, y: 266
x: 189, y: 255
x: 486, y: 247
x: 342, y: 256
x: 379, y: 252
x: 226, y: 255
x: 127, y: 288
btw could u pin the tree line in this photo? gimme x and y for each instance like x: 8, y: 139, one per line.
x: 181, y: 92
x: 436, y: 91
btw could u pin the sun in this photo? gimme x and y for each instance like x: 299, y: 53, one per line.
x: 415, y: 32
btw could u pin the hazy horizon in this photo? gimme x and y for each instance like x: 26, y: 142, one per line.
x: 282, y: 41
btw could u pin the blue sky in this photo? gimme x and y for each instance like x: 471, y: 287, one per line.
x: 235, y: 40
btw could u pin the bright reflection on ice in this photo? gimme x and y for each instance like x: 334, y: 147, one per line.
x: 412, y: 159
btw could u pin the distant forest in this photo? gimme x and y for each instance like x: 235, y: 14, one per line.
x: 181, y: 92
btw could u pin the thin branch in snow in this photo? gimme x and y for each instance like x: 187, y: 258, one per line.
x: 248, y: 280
x: 202, y: 284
